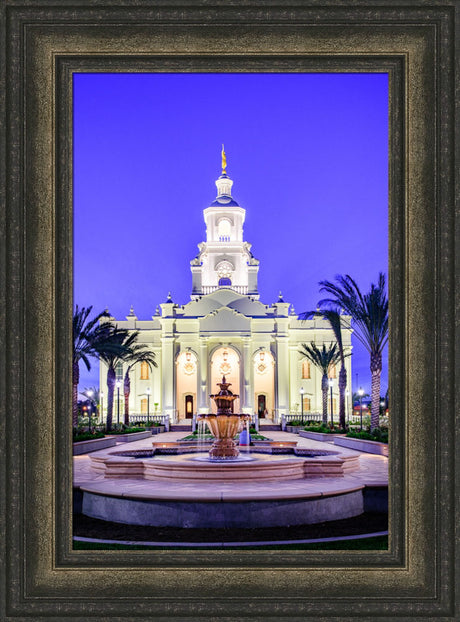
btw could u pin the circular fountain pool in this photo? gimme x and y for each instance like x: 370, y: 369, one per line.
x: 147, y: 487
x: 193, y: 467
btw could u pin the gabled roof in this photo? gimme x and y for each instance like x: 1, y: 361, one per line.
x: 226, y: 297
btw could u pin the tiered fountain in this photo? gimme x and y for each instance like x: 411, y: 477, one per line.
x: 223, y: 489
x: 225, y: 424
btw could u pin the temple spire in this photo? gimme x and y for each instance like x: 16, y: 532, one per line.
x: 224, y: 161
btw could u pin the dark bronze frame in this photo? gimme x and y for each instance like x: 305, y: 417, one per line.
x: 43, y: 46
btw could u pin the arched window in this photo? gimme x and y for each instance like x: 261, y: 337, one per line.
x: 224, y: 230
x: 144, y: 370
x: 306, y: 370
x: 144, y: 406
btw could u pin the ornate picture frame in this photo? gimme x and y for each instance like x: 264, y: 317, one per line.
x: 43, y: 45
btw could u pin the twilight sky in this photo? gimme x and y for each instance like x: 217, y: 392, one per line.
x: 308, y: 154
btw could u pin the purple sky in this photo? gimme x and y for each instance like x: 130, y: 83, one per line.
x: 308, y: 154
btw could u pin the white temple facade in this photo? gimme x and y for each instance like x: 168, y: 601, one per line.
x: 226, y: 330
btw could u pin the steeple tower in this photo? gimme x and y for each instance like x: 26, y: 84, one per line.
x: 225, y: 259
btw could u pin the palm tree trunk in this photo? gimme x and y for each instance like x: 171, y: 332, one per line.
x: 376, y: 370
x: 342, y: 387
x: 75, y: 381
x: 111, y: 377
x: 324, y: 390
x: 127, y: 391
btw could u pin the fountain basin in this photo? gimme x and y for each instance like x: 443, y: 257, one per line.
x: 185, y: 467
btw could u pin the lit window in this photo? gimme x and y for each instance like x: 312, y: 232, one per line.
x: 332, y: 371
x: 306, y: 370
x: 306, y: 404
x: 144, y: 406
x: 144, y: 370
x: 224, y: 230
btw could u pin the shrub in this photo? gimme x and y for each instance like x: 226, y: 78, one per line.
x: 378, y: 434
x: 124, y: 430
x: 324, y: 429
x: 294, y: 423
x: 86, y: 436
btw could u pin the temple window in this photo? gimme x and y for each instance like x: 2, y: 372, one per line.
x: 306, y: 370
x: 144, y: 370
x: 224, y: 230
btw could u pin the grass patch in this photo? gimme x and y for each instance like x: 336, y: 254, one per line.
x: 377, y: 543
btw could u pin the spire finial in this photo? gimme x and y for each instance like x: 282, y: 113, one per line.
x: 224, y: 161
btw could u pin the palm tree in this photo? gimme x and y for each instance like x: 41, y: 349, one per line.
x: 322, y: 359
x: 88, y: 335
x: 121, y: 343
x: 369, y: 314
x: 140, y: 354
x: 335, y: 320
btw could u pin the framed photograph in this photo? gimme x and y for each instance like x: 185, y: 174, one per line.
x: 47, y: 51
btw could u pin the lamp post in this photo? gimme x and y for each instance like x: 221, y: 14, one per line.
x: 118, y: 402
x: 302, y: 391
x: 90, y: 409
x: 331, y: 384
x: 148, y: 403
x: 361, y: 393
x: 347, y: 393
x: 102, y: 408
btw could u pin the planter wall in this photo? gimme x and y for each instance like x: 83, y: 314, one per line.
x: 320, y: 436
x: 129, y: 438
x: 85, y: 447
x: 293, y: 429
x: 358, y: 444
x: 157, y: 429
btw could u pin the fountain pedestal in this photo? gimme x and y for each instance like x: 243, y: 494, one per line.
x: 225, y: 424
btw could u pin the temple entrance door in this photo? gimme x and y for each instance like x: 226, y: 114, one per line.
x: 189, y: 406
x: 261, y: 401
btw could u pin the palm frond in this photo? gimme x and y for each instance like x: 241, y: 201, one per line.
x: 369, y: 312
x: 324, y: 358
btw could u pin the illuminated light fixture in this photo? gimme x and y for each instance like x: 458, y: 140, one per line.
x: 225, y: 355
x: 188, y: 355
x: 262, y: 355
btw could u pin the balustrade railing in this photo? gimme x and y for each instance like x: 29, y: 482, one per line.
x: 239, y: 289
x: 154, y: 418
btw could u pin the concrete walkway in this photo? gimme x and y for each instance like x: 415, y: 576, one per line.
x: 373, y: 471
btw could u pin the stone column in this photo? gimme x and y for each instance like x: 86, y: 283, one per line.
x: 282, y: 376
x: 202, y: 377
x: 247, y: 401
x: 168, y: 373
x: 294, y: 358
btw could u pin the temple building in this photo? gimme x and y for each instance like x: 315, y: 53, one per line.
x: 226, y: 330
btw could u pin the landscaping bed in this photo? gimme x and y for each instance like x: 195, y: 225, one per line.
x: 359, y: 444
x: 320, y: 436
x: 87, y: 446
x: 128, y: 436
